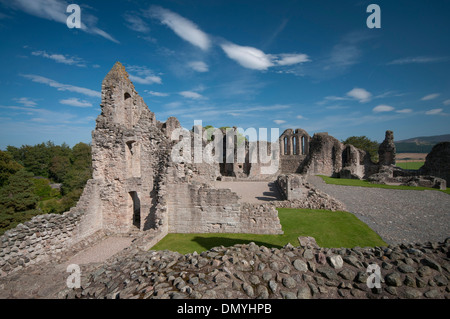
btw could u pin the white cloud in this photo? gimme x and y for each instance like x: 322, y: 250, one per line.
x: 146, y: 80
x: 191, y: 95
x: 25, y: 101
x: 279, y: 121
x: 59, y: 58
x: 416, y: 60
x: 61, y: 86
x: 253, y: 58
x: 248, y: 57
x: 434, y: 111
x: 446, y: 102
x: 290, y: 59
x: 75, y: 102
x: 198, y: 66
x: 183, y: 27
x: 404, y: 111
x: 360, y: 94
x: 382, y: 108
x: 143, y: 75
x: 430, y: 97
x: 161, y: 94
x: 300, y: 117
x: 55, y: 10
x: 135, y: 23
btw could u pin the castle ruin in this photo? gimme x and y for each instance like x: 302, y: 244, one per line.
x: 137, y: 187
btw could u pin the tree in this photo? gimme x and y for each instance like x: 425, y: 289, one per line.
x: 59, y: 167
x: 8, y: 167
x: 365, y: 144
x: 19, y: 194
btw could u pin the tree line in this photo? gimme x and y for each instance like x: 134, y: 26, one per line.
x: 41, y: 179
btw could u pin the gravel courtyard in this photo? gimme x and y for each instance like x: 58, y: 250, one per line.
x: 398, y: 216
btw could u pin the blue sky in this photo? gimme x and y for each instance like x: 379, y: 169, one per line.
x: 288, y: 64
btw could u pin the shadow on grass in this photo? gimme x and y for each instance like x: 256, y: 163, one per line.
x: 210, y: 242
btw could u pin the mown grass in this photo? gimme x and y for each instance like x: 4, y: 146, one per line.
x: 330, y: 229
x: 363, y: 183
x: 410, y: 165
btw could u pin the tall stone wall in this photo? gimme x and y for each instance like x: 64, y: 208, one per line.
x: 437, y: 162
x: 199, y: 208
x: 324, y: 157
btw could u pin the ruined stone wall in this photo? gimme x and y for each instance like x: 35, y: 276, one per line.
x: 437, y: 162
x: 324, y: 157
x: 199, y: 208
x: 291, y: 186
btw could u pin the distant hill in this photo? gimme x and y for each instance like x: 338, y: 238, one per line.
x: 421, y: 144
x: 427, y: 139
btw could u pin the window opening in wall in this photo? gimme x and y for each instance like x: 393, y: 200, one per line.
x: 303, y: 145
x: 285, y: 142
x: 294, y: 142
x: 136, y: 209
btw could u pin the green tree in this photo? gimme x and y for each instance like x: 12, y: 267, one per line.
x: 8, y: 167
x: 59, y: 166
x: 80, y: 170
x: 19, y: 194
x: 365, y: 144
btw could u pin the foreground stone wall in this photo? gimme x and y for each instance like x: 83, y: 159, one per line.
x: 48, y: 236
x: 248, y: 271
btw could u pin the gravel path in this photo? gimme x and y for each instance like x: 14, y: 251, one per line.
x: 398, y: 216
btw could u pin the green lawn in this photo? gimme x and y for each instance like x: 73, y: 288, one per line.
x: 330, y: 229
x: 410, y: 165
x: 363, y: 183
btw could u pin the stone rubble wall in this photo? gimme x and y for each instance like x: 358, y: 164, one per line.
x: 250, y: 271
x: 300, y: 194
x: 48, y: 236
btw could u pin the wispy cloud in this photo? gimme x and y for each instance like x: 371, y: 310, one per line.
x: 25, y: 101
x: 359, y: 94
x: 60, y: 58
x: 55, y: 10
x: 61, y: 86
x: 418, y: 60
x: 290, y: 58
x: 160, y: 94
x: 184, y: 28
x: 404, y: 111
x: 143, y: 75
x: 135, y: 23
x: 279, y: 121
x: 191, y: 95
x: 434, y: 111
x: 446, y: 102
x: 198, y: 66
x: 253, y: 58
x: 75, y: 102
x: 430, y: 97
x: 383, y: 108
x: 248, y: 57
